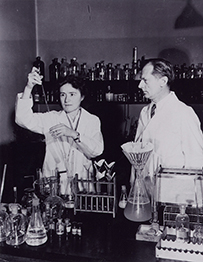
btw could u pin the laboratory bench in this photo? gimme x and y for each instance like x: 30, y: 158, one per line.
x: 104, y: 239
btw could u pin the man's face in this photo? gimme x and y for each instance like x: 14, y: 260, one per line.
x: 150, y: 84
x: 70, y: 98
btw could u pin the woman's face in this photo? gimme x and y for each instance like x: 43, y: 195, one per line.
x: 70, y: 98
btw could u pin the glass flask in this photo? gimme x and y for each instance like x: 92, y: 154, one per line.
x: 182, y: 225
x: 138, y: 207
x: 3, y: 217
x: 36, y: 233
x: 16, y: 225
x: 123, y: 198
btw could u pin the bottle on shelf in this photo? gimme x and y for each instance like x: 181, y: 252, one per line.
x: 182, y: 225
x: 109, y: 94
x: 64, y: 68
x: 54, y: 71
x: 117, y: 72
x: 97, y: 71
x: 102, y: 71
x: 123, y: 198
x: 74, y: 66
x: 109, y: 72
x: 134, y: 63
x: 36, y: 233
x: 83, y: 70
x: 126, y: 72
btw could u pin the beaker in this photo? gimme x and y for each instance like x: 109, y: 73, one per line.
x: 138, y: 207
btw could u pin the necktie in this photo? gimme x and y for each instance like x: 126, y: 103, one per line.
x: 153, y: 110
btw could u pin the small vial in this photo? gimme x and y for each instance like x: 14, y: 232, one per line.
x: 79, y: 229
x: 123, y: 198
x: 60, y: 227
x: 74, y: 229
x: 68, y: 225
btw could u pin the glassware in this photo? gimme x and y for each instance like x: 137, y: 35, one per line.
x: 182, y: 225
x: 36, y: 233
x: 38, y: 63
x: 3, y: 217
x: 123, y: 198
x: 67, y: 192
x: 138, y: 207
x: 26, y: 201
x: 64, y: 68
x: 60, y: 227
x: 53, y: 203
x: 16, y: 225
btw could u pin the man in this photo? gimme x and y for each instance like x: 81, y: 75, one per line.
x: 170, y: 125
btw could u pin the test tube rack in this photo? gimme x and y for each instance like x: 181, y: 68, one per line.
x: 100, y: 201
x: 174, y: 250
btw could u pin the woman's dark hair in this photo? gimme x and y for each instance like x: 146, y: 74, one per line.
x: 162, y: 67
x: 76, y: 81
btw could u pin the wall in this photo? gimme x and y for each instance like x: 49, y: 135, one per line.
x: 109, y: 29
x: 17, y: 49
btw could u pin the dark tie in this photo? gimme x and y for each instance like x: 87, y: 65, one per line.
x: 153, y: 110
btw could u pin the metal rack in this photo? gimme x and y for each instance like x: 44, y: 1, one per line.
x: 103, y: 200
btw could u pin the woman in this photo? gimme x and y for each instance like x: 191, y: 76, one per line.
x: 73, y: 135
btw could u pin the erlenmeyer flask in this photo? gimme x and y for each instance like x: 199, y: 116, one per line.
x: 138, y: 206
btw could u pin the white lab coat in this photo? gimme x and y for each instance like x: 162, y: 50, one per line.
x: 63, y: 154
x: 177, y: 138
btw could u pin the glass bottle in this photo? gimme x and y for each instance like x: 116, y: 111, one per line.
x: 134, y: 64
x: 74, y: 66
x: 54, y: 70
x: 182, y: 225
x: 123, y: 198
x: 38, y: 63
x: 36, y: 233
x: 64, y: 68
x: 3, y: 217
x: 83, y: 70
x: 68, y: 226
x: 53, y: 203
x: 15, y: 226
x: 60, y: 227
x: 109, y: 72
x: 102, y: 71
x: 126, y: 72
x: 118, y: 72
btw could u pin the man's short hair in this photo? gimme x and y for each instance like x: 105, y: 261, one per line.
x: 162, y: 67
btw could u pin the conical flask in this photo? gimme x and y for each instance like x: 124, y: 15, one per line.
x: 138, y: 207
x: 36, y: 233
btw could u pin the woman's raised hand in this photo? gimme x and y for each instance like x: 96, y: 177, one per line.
x: 34, y: 78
